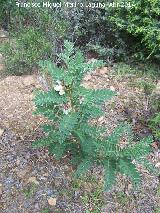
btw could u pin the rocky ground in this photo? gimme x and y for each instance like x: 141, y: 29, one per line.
x: 33, y: 181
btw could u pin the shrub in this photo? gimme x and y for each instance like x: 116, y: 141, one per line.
x: 142, y: 22
x: 69, y: 108
x: 24, y: 49
x: 154, y: 124
x: 35, y: 33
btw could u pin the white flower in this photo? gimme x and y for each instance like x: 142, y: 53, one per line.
x: 58, y: 82
x: 61, y: 92
x: 67, y: 108
x: 66, y: 111
x: 59, y: 88
x: 81, y: 99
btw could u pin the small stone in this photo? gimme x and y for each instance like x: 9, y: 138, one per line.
x: 18, y: 162
x: 103, y: 71
x: 46, y: 174
x: 87, y: 77
x: 76, y: 194
x: 36, y: 206
x: 157, y: 89
x: 2, y: 66
x: 1, y: 59
x: 1, y: 131
x: 100, y: 119
x: 112, y: 88
x: 3, y: 34
x: 52, y: 201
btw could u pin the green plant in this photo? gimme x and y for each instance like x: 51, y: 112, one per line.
x: 69, y: 108
x: 35, y: 33
x: 24, y: 49
x: 103, y: 53
x: 154, y: 124
x: 94, y: 199
x: 122, y: 69
x: 122, y: 198
x: 45, y: 210
x: 31, y: 189
x: 147, y: 86
x: 140, y: 20
x: 157, y: 210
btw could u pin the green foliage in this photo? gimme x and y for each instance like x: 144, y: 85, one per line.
x: 70, y: 107
x: 24, y: 49
x: 147, y: 86
x: 154, y: 124
x: 122, y: 198
x: 45, y: 210
x: 142, y: 22
x: 35, y: 33
x: 112, y: 32
x: 30, y: 190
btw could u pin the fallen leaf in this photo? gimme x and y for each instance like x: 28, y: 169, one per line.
x: 24, y: 173
x: 52, y: 201
x: 155, y: 145
x: 33, y: 180
x: 46, y: 174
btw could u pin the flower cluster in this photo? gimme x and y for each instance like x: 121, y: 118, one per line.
x: 59, y: 88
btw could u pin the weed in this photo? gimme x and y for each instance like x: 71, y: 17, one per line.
x: 29, y: 192
x: 45, y: 210
x: 122, y: 198
x: 70, y: 106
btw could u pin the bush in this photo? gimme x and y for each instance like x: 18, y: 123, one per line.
x: 154, y: 124
x: 24, y: 49
x: 35, y: 33
x: 69, y: 108
x: 142, y: 22
x: 113, y: 33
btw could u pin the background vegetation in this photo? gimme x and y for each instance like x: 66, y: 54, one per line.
x: 113, y: 33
